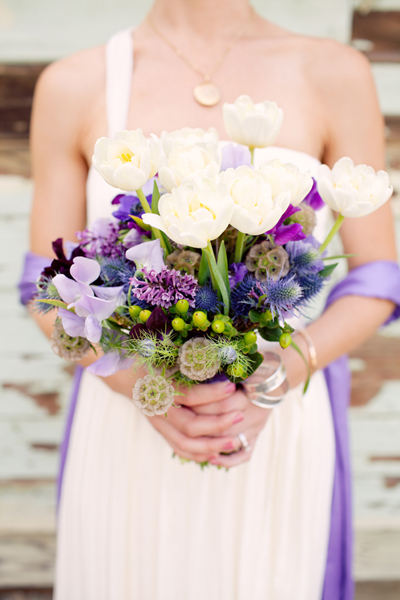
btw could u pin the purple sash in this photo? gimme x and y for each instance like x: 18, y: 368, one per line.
x: 380, y: 279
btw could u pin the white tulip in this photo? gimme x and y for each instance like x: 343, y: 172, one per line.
x: 128, y: 160
x: 287, y: 176
x: 253, y: 125
x: 193, y: 214
x: 188, y: 136
x: 256, y: 207
x: 353, y: 191
x: 187, y: 162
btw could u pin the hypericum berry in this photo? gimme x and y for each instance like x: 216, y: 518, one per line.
x: 267, y: 316
x: 199, y: 318
x: 285, y: 340
x: 250, y: 338
x: 235, y: 371
x: 178, y: 324
x: 218, y: 326
x: 135, y: 311
x: 144, y: 315
x: 182, y: 306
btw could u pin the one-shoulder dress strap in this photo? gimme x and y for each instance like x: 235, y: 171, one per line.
x: 119, y: 70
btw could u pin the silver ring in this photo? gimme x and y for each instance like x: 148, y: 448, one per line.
x: 244, y: 442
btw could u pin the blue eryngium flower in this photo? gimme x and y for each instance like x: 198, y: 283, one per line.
x: 311, y: 286
x: 304, y: 256
x: 241, y: 302
x: 280, y: 297
x: 207, y: 299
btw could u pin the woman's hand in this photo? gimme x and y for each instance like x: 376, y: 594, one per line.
x: 254, y: 420
x: 201, y: 437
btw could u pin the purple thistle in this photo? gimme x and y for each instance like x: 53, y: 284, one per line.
x: 165, y: 288
x: 284, y: 233
x: 304, y: 256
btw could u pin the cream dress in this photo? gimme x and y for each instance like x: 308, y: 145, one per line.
x: 135, y: 524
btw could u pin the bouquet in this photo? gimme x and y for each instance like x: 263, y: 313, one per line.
x: 204, y: 254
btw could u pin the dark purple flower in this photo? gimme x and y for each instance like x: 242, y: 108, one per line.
x: 314, y: 199
x: 61, y: 264
x: 157, y: 322
x: 235, y: 155
x: 237, y: 272
x: 290, y: 232
x: 165, y: 288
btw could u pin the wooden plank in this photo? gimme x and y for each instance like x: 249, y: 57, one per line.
x: 378, y: 32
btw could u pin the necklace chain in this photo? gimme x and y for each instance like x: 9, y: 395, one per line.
x: 206, y: 76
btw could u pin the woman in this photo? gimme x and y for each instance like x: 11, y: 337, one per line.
x: 133, y: 522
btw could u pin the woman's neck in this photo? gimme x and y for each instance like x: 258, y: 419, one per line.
x: 201, y: 18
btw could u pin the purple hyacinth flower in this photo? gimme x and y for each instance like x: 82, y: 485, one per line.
x: 285, y: 233
x: 314, y: 199
x: 237, y: 272
x: 235, y: 155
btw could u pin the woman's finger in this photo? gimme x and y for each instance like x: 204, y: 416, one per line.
x: 238, y: 401
x: 193, y: 425
x: 205, y: 393
x: 231, y: 460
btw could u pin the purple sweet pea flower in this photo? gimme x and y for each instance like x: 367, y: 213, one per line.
x: 235, y: 155
x: 148, y: 255
x: 110, y: 363
x: 285, y: 233
x: 237, y: 272
x: 77, y: 293
x: 314, y: 199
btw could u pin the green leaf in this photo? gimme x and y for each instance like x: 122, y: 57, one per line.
x: 223, y: 266
x: 57, y: 303
x: 298, y: 350
x: 167, y: 244
x: 328, y: 270
x: 155, y: 198
x: 271, y: 335
x: 216, y: 278
x: 338, y: 256
x: 254, y: 316
x: 204, y: 271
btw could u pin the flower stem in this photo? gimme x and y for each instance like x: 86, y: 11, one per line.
x: 146, y: 207
x: 251, y: 148
x: 143, y: 201
x: 239, y: 248
x: 332, y: 233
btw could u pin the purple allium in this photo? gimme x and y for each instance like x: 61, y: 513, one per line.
x: 235, y: 155
x: 283, y: 233
x: 237, y: 272
x: 314, y: 199
x: 101, y: 239
x: 207, y: 299
x: 304, y: 256
x: 165, y: 288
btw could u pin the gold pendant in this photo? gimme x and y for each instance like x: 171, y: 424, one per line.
x: 207, y: 93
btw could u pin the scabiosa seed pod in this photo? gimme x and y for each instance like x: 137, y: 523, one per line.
x: 306, y: 217
x: 153, y: 395
x: 227, y: 355
x: 184, y: 260
x: 267, y: 260
x: 67, y: 347
x: 199, y: 359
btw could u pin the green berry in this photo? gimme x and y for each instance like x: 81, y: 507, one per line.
x: 135, y: 311
x: 267, y: 316
x: 235, y: 371
x: 250, y: 338
x: 199, y: 318
x: 144, y: 315
x: 178, y: 324
x: 182, y: 306
x: 218, y: 326
x: 285, y: 340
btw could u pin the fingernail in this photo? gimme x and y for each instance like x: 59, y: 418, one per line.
x: 214, y: 462
x: 228, y: 446
x: 239, y: 417
x: 211, y: 458
x: 230, y: 388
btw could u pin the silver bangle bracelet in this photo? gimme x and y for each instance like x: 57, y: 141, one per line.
x: 258, y: 392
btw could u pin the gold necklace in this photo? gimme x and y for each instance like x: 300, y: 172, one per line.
x: 206, y: 93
